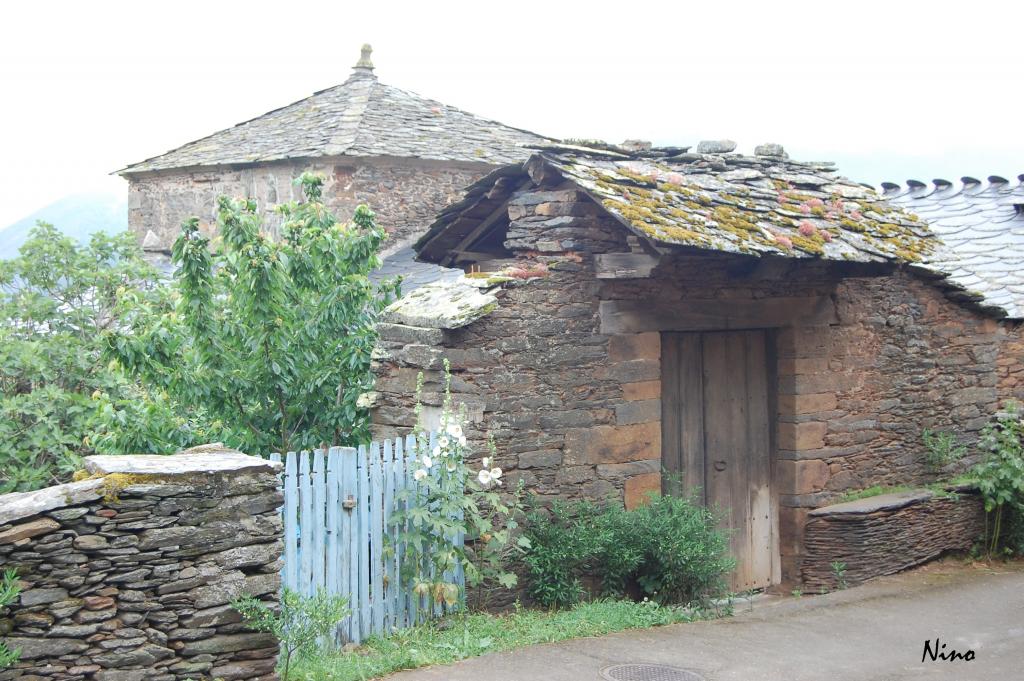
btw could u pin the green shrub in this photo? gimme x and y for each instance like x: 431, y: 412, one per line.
x: 563, y: 544
x: 299, y: 623
x: 1000, y: 478
x: 941, y: 449
x: 668, y: 550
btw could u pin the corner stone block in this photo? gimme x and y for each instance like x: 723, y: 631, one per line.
x: 800, y: 366
x: 791, y: 530
x: 802, y: 436
x: 802, y: 477
x: 640, y: 411
x: 613, y: 444
x: 634, y: 346
x: 806, y: 404
x: 642, y: 390
x: 639, y: 488
x: 630, y: 371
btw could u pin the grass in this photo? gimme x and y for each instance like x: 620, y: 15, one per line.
x: 937, y: 488
x: 469, y: 635
x: 876, y: 490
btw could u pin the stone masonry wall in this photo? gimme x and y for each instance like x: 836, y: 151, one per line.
x: 578, y: 413
x: 406, y: 194
x: 127, y: 576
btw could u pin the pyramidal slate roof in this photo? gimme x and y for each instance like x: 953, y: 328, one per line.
x: 714, y: 199
x: 982, y: 227
x: 360, y: 117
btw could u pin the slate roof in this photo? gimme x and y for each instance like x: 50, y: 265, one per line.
x: 360, y: 117
x: 764, y: 204
x: 982, y: 226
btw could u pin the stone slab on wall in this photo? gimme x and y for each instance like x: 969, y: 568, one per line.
x: 128, y: 576
x: 885, y: 534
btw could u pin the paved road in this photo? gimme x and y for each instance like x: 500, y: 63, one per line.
x: 874, y: 632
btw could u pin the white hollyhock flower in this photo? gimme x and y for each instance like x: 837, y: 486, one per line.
x: 487, y: 462
x: 462, y: 440
x: 437, y: 452
x: 442, y: 442
x: 450, y: 466
x: 455, y: 430
x: 419, y: 475
x: 495, y: 473
x: 427, y: 461
x: 484, y: 477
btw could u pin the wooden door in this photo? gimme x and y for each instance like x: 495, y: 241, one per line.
x: 717, y: 434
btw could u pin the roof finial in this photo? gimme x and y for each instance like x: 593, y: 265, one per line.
x: 365, y: 64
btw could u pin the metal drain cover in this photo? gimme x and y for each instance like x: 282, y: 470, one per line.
x: 648, y: 672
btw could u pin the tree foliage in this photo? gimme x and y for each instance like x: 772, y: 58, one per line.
x: 268, y: 341
x: 57, y: 299
x: 1000, y: 475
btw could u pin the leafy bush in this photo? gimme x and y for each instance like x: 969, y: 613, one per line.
x: 668, y: 550
x: 564, y: 542
x: 941, y: 449
x: 300, y: 622
x: 1000, y: 478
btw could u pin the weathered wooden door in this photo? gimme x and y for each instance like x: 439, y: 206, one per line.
x: 716, y: 433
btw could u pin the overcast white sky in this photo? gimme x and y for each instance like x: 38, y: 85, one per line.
x: 890, y: 90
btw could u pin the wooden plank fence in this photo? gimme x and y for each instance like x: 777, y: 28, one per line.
x: 337, y: 511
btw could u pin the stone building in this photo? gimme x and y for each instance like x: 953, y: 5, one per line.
x: 404, y: 155
x: 771, y: 331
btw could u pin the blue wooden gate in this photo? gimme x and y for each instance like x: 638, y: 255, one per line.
x: 337, y: 510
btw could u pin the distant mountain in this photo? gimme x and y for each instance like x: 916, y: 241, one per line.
x: 77, y: 215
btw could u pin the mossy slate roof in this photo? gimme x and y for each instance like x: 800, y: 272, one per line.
x: 756, y: 205
x: 969, y: 239
x: 981, y: 224
x: 360, y: 117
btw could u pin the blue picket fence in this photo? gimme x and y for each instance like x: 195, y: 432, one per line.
x: 337, y: 511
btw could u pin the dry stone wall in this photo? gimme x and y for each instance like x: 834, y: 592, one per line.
x: 406, y: 194
x: 128, y: 575
x: 885, y: 534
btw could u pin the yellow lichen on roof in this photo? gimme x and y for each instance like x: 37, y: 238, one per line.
x: 754, y: 205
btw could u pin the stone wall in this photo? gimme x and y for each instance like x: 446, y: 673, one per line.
x: 886, y: 534
x: 406, y: 194
x: 127, y: 575
x: 577, y: 413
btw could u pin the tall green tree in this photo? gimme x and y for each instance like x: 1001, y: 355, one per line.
x: 57, y: 299
x: 270, y: 339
